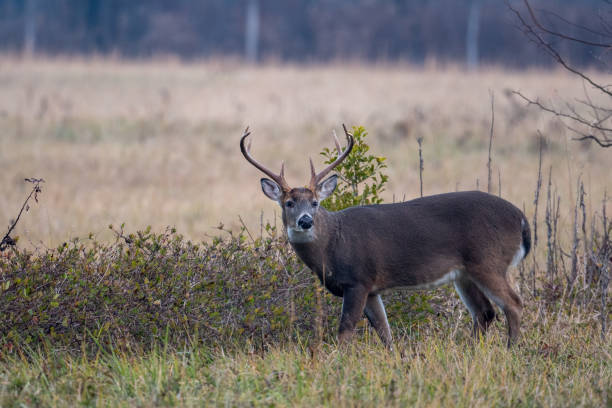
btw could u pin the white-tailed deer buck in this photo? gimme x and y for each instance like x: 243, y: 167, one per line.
x: 468, y: 238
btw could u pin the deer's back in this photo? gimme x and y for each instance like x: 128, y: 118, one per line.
x: 430, y: 235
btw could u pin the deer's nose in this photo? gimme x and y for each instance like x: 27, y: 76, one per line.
x: 305, y: 222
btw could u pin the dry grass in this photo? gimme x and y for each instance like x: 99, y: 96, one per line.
x: 156, y: 143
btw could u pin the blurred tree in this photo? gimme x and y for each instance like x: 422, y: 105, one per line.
x: 290, y: 30
x: 29, y: 27
x: 471, y: 41
x: 252, y: 31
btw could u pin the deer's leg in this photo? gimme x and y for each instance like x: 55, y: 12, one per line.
x: 477, y: 303
x: 375, y: 312
x: 497, y: 288
x: 353, y: 303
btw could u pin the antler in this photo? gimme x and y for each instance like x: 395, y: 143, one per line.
x: 316, y: 178
x: 278, y: 178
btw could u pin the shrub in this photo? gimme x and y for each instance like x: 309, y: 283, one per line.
x: 360, y: 175
x: 148, y: 288
x: 135, y: 289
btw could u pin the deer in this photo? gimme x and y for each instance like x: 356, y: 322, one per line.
x: 467, y: 238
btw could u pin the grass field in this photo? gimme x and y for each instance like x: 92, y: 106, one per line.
x: 156, y: 143
x: 438, y: 371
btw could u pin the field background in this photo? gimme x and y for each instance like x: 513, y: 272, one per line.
x: 157, y: 143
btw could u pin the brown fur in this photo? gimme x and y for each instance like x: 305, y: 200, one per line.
x: 362, y: 251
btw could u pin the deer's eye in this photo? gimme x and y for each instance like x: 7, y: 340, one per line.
x: 315, y: 203
x: 289, y: 204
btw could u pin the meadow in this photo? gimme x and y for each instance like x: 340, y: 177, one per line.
x: 156, y: 144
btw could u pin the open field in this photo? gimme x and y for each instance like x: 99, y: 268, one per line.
x: 157, y: 144
x: 438, y: 371
x: 100, y: 322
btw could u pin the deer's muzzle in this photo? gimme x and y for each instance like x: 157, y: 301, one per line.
x: 305, y: 222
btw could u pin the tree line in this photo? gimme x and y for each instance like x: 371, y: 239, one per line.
x: 415, y: 31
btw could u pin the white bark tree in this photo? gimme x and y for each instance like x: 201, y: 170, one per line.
x: 29, y: 27
x: 471, y: 38
x: 251, y: 41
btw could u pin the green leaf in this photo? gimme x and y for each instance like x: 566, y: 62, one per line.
x: 361, y: 179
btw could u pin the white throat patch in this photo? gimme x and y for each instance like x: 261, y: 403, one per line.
x: 300, y: 236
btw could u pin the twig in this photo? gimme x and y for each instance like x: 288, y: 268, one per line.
x: 585, y: 238
x: 261, y: 227
x: 538, y: 39
x: 561, y: 35
x: 580, y: 26
x: 556, y: 246
x: 562, y: 114
x: 535, y: 216
x: 490, y: 140
x: 537, y: 192
x: 591, y: 137
x: 7, y: 240
x: 549, y: 230
x: 421, y: 168
x: 246, y: 229
x: 604, y: 279
x: 575, y: 240
x: 575, y: 117
x: 119, y: 234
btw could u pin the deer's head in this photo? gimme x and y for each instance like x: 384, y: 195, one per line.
x: 299, y: 205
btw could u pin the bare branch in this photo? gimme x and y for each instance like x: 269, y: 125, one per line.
x: 578, y: 119
x: 595, y: 139
x: 420, y: 142
x: 596, y: 108
x: 7, y: 240
x: 561, y: 35
x: 538, y: 39
x: 580, y: 26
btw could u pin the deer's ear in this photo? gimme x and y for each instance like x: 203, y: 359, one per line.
x: 326, y: 187
x: 271, y: 189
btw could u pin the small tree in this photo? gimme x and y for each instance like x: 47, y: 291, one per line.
x: 361, y: 180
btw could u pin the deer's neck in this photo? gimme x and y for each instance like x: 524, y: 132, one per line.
x: 314, y: 252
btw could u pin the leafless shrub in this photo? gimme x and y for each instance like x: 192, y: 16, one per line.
x: 585, y: 282
x: 7, y: 240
